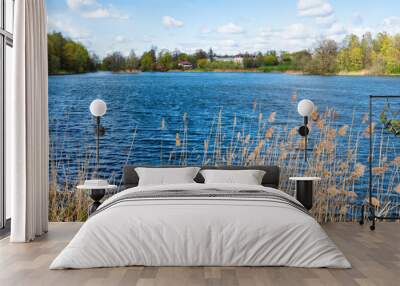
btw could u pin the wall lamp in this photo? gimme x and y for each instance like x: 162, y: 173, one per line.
x: 98, y: 108
x: 305, y: 109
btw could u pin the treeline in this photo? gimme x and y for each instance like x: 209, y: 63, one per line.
x: 67, y: 56
x: 379, y: 55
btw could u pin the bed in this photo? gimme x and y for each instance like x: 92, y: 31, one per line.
x: 197, y: 224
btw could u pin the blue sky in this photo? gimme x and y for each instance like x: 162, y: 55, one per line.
x: 228, y: 27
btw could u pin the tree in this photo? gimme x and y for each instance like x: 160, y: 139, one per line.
x: 211, y: 55
x: 367, y: 50
x: 114, y: 62
x: 301, y: 60
x: 285, y: 58
x: 147, y: 62
x: 165, y: 61
x: 132, y: 61
x: 68, y: 56
x: 94, y: 63
x: 324, y: 60
x: 350, y: 57
x: 202, y: 63
x: 55, y: 46
x: 271, y: 59
x: 248, y: 61
x: 200, y: 54
x: 386, y: 56
x: 76, y: 57
x: 259, y: 60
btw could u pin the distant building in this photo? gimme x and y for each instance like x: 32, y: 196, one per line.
x: 231, y: 58
x: 186, y: 65
x: 225, y: 58
x: 238, y: 59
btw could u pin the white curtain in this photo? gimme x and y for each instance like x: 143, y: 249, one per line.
x: 27, y: 124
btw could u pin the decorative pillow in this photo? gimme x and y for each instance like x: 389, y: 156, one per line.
x: 248, y: 177
x: 166, y: 176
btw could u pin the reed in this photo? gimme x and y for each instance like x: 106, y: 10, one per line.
x: 336, y: 158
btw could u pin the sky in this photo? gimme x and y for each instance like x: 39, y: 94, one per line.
x: 228, y: 27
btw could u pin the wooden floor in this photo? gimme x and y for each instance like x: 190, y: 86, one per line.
x: 375, y: 257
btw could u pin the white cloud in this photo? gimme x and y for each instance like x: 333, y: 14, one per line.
x: 360, y: 30
x: 336, y: 32
x: 292, y: 38
x: 326, y: 21
x: 297, y: 32
x: 69, y: 29
x: 171, y: 22
x: 92, y: 9
x: 270, y: 33
x: 97, y: 13
x: 77, y: 4
x: 336, y: 29
x: 229, y: 44
x: 230, y: 28
x: 103, y: 12
x: 314, y: 8
x: 391, y: 25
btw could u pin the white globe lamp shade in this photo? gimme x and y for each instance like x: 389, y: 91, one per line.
x: 98, y: 108
x: 305, y: 107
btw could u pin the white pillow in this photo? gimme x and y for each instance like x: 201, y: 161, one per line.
x: 166, y: 176
x: 248, y: 177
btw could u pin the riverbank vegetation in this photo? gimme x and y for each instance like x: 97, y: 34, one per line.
x: 379, y: 55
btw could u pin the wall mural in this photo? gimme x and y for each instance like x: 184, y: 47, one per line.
x: 206, y: 107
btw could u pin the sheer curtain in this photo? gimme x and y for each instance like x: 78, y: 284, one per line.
x: 27, y: 124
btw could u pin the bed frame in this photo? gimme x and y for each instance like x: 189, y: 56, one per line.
x: 270, y: 179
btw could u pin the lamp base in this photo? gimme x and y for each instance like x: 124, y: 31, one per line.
x: 96, y: 195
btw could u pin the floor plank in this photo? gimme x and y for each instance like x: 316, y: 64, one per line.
x: 375, y: 257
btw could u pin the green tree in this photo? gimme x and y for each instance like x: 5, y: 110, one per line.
x: 386, y: 57
x: 68, y: 56
x: 259, y: 60
x: 271, y: 59
x: 350, y: 57
x: 200, y: 54
x: 76, y: 57
x: 132, y: 61
x: 114, y: 62
x: 367, y: 50
x: 211, y: 55
x: 202, y: 63
x: 301, y: 60
x: 94, y: 63
x: 165, y: 61
x: 285, y: 58
x: 248, y: 61
x: 147, y: 61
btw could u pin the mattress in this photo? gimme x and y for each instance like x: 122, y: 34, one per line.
x: 201, y: 225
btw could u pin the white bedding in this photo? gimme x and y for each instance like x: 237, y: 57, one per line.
x: 200, y: 231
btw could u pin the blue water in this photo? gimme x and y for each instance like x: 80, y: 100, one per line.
x: 140, y: 101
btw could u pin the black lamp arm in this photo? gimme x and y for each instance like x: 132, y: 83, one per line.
x: 97, y: 144
x: 305, y: 137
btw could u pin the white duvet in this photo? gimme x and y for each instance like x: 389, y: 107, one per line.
x: 200, y: 231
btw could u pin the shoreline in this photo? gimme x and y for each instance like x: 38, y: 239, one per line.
x: 362, y: 73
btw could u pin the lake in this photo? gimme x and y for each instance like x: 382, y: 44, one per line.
x: 157, y: 104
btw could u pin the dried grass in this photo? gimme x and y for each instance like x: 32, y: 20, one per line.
x: 334, y: 157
